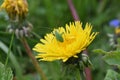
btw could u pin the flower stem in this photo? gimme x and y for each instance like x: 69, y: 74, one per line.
x: 87, y: 70
x: 35, y: 63
x: 76, y: 18
x: 81, y: 75
x: 78, y: 75
x: 73, y: 11
x: 88, y: 74
x: 9, y: 49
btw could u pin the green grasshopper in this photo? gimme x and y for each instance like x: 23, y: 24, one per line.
x: 58, y: 36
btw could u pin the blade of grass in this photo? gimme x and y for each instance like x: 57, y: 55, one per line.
x: 13, y: 60
x: 8, y: 54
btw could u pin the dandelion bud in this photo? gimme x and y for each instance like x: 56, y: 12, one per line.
x: 85, y: 60
x: 21, y: 33
x: 17, y: 33
x: 11, y: 31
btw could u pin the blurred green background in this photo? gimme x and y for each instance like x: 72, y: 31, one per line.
x: 48, y: 14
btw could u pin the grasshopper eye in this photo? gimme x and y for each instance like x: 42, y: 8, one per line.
x: 58, y: 36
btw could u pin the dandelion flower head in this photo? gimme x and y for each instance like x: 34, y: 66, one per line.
x: 75, y: 40
x: 18, y: 7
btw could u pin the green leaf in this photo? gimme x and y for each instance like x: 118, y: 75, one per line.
x: 112, y: 75
x: 112, y: 58
x: 13, y: 60
x: 100, y: 51
x: 5, y: 73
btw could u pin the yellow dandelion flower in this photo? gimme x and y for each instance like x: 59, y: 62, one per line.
x: 75, y: 40
x: 18, y: 7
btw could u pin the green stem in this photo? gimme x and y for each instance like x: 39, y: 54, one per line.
x: 78, y: 75
x: 35, y: 63
x: 36, y: 35
x: 81, y: 72
x: 11, y: 42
